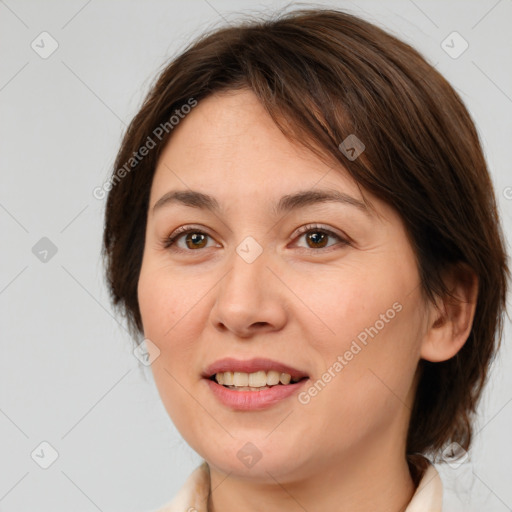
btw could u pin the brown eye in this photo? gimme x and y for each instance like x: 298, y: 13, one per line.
x: 187, y: 239
x: 317, y: 238
x: 196, y: 240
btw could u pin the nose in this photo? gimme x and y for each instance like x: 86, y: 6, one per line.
x: 249, y: 298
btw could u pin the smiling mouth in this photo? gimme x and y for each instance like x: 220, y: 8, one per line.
x: 256, y: 381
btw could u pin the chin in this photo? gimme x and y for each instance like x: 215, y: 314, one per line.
x: 258, y: 461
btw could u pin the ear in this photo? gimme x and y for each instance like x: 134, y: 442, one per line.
x: 451, y: 318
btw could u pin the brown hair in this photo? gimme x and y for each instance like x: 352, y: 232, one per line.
x: 323, y: 75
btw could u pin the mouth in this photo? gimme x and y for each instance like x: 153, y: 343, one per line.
x: 255, y: 381
x: 255, y: 374
x: 253, y: 385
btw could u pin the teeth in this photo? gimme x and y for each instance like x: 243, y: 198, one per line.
x: 247, y: 388
x: 240, y: 379
x: 259, y: 379
x: 285, y: 378
x: 272, y: 378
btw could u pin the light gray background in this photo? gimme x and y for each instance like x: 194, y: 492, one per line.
x: 68, y: 375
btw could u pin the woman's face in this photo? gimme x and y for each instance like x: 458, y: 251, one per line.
x: 326, y: 287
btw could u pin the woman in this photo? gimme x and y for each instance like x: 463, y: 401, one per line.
x: 302, y: 226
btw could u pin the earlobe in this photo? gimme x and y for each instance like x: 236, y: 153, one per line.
x: 450, y: 320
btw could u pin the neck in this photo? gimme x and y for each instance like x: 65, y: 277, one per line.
x: 373, y: 480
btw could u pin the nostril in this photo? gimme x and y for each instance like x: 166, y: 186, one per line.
x: 260, y: 324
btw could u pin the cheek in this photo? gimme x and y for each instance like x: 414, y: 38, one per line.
x: 165, y: 301
x: 366, y: 388
x: 370, y: 351
x: 354, y: 302
x: 164, y: 316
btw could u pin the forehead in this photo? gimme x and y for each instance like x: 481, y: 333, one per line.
x: 229, y: 141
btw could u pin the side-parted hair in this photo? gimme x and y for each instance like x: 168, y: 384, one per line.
x: 323, y: 75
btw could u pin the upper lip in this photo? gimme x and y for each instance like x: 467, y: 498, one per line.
x: 230, y: 364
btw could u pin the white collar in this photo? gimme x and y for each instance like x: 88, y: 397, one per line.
x: 193, y: 495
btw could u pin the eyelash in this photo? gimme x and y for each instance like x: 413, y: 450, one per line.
x: 170, y: 240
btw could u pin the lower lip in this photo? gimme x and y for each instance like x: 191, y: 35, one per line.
x: 253, y: 400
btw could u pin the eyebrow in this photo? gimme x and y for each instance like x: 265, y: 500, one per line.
x: 286, y: 204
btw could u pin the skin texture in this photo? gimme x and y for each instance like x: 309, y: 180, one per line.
x: 296, y: 303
